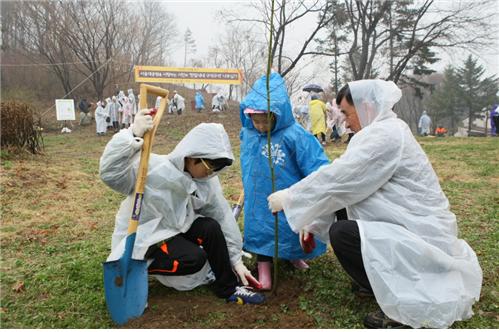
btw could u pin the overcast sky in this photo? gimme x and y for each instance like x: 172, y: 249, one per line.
x: 200, y: 17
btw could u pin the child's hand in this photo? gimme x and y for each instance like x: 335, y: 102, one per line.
x: 245, y: 276
x: 142, y: 123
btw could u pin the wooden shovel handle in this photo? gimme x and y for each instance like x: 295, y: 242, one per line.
x: 140, y: 183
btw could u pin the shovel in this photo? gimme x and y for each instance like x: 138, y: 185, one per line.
x: 125, y: 280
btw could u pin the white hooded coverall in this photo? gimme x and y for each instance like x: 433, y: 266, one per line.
x: 421, y: 274
x: 172, y: 198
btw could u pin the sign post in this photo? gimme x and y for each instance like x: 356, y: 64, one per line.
x: 65, y: 109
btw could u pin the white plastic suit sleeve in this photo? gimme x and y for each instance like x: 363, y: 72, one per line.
x: 358, y: 173
x: 120, y: 160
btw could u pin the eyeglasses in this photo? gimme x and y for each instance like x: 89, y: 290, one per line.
x: 208, y: 168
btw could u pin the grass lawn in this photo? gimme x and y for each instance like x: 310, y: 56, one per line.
x: 58, y: 217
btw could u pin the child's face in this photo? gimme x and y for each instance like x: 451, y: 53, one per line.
x: 261, y: 122
x: 198, y: 168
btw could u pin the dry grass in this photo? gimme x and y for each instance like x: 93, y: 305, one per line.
x: 57, y: 220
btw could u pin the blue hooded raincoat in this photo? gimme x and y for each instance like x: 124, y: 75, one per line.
x: 295, y: 153
x: 199, y: 100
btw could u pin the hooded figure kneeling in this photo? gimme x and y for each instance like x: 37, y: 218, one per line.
x: 400, y: 241
x: 186, y: 229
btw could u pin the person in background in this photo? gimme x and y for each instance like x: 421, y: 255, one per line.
x: 295, y: 153
x: 494, y: 120
x: 127, y: 113
x: 113, y: 113
x: 121, y: 108
x: 179, y: 102
x: 107, y: 108
x: 100, y: 119
x: 440, y: 131
x: 218, y: 102
x: 186, y: 232
x: 424, y: 124
x: 318, y: 118
x: 84, y: 110
x: 335, y: 120
x: 400, y: 240
x: 199, y: 99
x: 133, y: 102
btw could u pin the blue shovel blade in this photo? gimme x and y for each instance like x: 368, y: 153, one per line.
x: 126, y: 291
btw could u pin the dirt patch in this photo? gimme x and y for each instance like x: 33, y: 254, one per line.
x: 172, y: 309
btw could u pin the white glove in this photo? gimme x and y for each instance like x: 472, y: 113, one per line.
x: 245, y: 275
x: 142, y: 123
x: 276, y: 200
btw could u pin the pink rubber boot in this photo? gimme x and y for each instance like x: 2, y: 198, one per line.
x: 300, y: 264
x: 264, y: 275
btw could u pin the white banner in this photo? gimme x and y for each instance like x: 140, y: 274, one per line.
x: 65, y: 109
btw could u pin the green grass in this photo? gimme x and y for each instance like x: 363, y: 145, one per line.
x: 58, y: 217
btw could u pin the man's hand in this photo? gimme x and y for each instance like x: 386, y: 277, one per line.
x: 307, y: 241
x: 277, y: 199
x: 245, y: 276
x: 142, y: 123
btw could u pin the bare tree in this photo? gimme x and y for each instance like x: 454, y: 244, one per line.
x: 287, y: 15
x: 240, y: 48
x: 98, y: 40
x: 40, y: 33
x: 406, y: 29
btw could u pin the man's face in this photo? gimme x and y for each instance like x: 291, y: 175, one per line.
x: 351, y: 117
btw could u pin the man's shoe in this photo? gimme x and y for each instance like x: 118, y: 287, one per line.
x: 378, y: 320
x: 361, y: 291
x: 244, y: 294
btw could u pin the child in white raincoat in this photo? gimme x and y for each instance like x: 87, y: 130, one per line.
x: 401, y: 241
x: 100, y: 119
x: 127, y: 112
x: 186, y: 229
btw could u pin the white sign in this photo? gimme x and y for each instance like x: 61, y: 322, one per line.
x: 65, y: 109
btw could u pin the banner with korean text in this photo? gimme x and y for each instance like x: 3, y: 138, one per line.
x: 157, y: 74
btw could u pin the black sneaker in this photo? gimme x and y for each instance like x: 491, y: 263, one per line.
x: 244, y: 294
x: 378, y: 320
x: 361, y: 291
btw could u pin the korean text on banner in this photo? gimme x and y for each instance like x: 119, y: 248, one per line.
x: 156, y: 74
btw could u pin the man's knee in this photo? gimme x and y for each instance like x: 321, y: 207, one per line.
x: 342, y: 232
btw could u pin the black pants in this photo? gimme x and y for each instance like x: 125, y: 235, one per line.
x: 345, y: 240
x: 182, y: 255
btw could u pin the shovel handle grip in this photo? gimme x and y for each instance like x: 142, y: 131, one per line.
x: 140, y: 183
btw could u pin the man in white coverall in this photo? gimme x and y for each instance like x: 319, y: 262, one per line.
x: 186, y: 230
x: 401, y: 240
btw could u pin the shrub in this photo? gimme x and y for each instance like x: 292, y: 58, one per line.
x: 19, y: 128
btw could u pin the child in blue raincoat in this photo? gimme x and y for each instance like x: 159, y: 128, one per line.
x: 295, y: 153
x: 199, y: 101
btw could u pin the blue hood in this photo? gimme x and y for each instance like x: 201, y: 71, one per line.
x: 280, y: 104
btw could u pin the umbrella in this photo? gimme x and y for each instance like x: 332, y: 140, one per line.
x: 312, y: 88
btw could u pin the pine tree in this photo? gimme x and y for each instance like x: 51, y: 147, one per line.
x: 477, y: 93
x: 189, y: 43
x: 446, y: 101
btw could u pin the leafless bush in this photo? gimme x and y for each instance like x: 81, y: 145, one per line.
x: 20, y: 130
